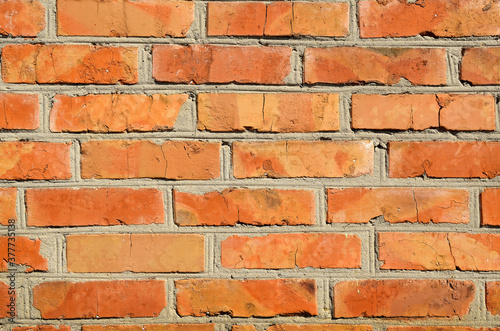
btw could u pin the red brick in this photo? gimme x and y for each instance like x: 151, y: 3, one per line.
x: 245, y: 206
x: 490, y: 212
x: 438, y: 328
x: 290, y: 112
x: 493, y: 297
x: 135, y: 252
x: 19, y: 111
x: 398, y: 205
x: 74, y: 64
x: 386, y: 66
x: 439, y: 251
x: 480, y: 65
x: 124, y: 18
x: 423, y: 111
x: 43, y: 328
x: 21, y: 18
x: 467, y: 159
x: 5, y: 299
x: 320, y: 327
x: 8, y: 198
x: 88, y: 206
x: 27, y: 253
x: 278, y: 19
x: 145, y: 159
x: 246, y: 298
x: 403, y: 298
x: 289, y: 251
x: 439, y: 18
x: 34, y: 160
x: 118, y: 298
x: 200, y: 64
x: 150, y: 327
x: 243, y: 328
x: 115, y: 112
x: 295, y: 158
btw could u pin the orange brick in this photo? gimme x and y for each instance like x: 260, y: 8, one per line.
x: 117, y: 298
x: 27, y: 253
x: 403, y: 298
x: 150, y: 327
x: 5, y: 300
x: 387, y: 66
x: 439, y: 251
x: 200, y: 64
x: 245, y: 206
x: 34, y: 160
x: 74, y: 64
x: 398, y: 205
x: 21, y: 18
x: 243, y: 328
x: 320, y: 327
x: 278, y: 19
x: 43, y: 328
x: 480, y: 65
x: 8, y: 198
x: 439, y: 18
x: 438, y: 328
x: 423, y: 111
x: 145, y: 159
x: 289, y: 112
x: 493, y: 297
x: 115, y: 112
x: 136, y: 253
x: 490, y: 212
x: 19, y: 111
x: 279, y: 159
x: 124, y: 18
x: 289, y: 251
x: 246, y: 298
x: 88, y: 206
x: 467, y: 159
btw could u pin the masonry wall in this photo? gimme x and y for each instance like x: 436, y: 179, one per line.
x: 279, y: 166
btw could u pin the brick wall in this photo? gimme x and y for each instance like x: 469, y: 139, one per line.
x: 250, y: 166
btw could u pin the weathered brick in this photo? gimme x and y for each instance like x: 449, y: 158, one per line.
x: 135, y: 252
x: 320, y: 327
x: 34, y: 160
x: 21, y: 18
x: 200, y: 64
x: 43, y: 328
x: 291, y: 112
x: 480, y: 65
x: 74, y: 64
x: 289, y: 251
x: 466, y: 112
x: 124, y: 18
x: 117, y: 298
x: 439, y: 18
x: 387, y: 66
x: 245, y: 206
x: 5, y: 301
x: 145, y: 159
x: 115, y: 112
x: 19, y: 111
x: 439, y: 251
x: 27, y: 253
x: 243, y: 328
x: 493, y: 297
x: 278, y: 19
x: 397, y: 205
x: 490, y: 212
x: 302, y: 159
x: 403, y: 298
x: 150, y: 327
x: 114, y: 206
x: 8, y: 198
x: 246, y: 298
x: 467, y: 159
x: 438, y: 328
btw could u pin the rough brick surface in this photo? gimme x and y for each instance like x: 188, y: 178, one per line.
x: 480, y: 66
x: 268, y: 112
x: 302, y: 159
x: 43, y: 328
x: 115, y: 112
x: 259, y: 298
x: 123, y: 298
x: 27, y: 253
x: 245, y: 206
x: 150, y: 327
x: 123, y: 18
x: 22, y: 18
x: 320, y: 327
x: 136, y: 253
x: 8, y: 198
x: 403, y: 298
x: 70, y: 207
x: 19, y: 111
x: 5, y: 299
x: 288, y: 251
x: 490, y: 211
x: 493, y: 297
